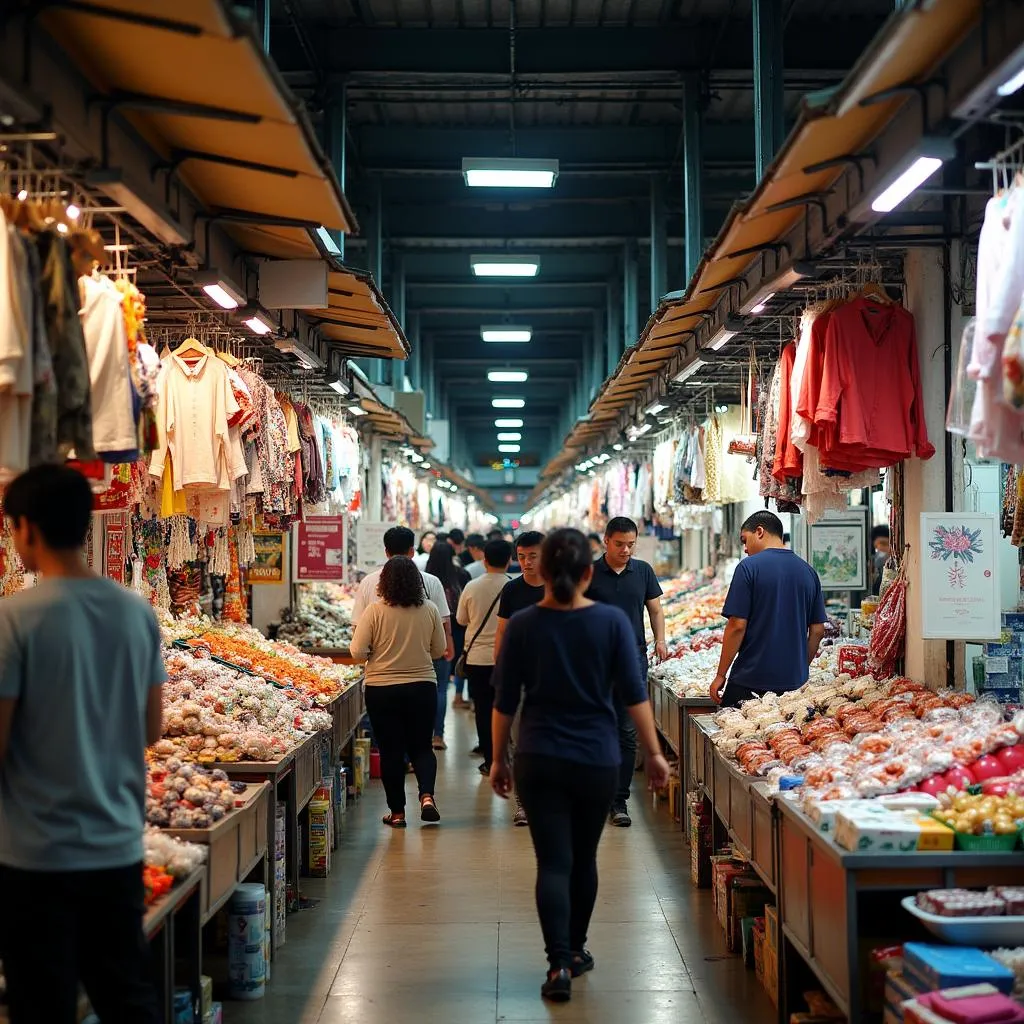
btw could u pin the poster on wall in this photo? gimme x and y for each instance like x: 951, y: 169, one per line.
x: 837, y: 551
x: 115, y: 536
x: 270, y: 563
x: 320, y: 549
x: 370, y: 544
x: 959, y: 576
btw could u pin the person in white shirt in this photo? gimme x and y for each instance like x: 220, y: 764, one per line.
x: 478, y: 607
x: 427, y: 542
x: 475, y: 565
x: 401, y: 541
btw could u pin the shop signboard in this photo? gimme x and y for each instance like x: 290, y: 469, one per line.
x: 320, y: 549
x: 270, y: 552
x: 959, y: 576
x: 115, y: 535
x: 370, y: 544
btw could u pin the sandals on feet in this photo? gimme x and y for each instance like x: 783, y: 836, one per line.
x: 428, y: 810
x: 395, y: 820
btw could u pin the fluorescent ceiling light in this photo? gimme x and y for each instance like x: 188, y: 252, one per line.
x: 722, y: 337
x: 503, y: 265
x: 72, y: 211
x: 689, y: 370
x: 916, y: 167
x: 416, y: 457
x: 642, y: 429
x: 329, y: 244
x: 1012, y: 84
x: 334, y: 382
x: 258, y: 324
x: 509, y: 448
x: 356, y: 410
x: 306, y: 356
x: 513, y: 424
x: 507, y: 376
x: 759, y: 306
x: 511, y: 436
x: 506, y: 334
x: 426, y: 465
x: 653, y: 410
x: 225, y: 294
x: 508, y: 403
x: 504, y: 172
x: 617, y: 447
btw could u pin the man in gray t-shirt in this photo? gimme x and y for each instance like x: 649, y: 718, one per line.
x: 80, y: 698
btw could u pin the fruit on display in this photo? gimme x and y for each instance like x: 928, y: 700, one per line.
x: 959, y: 777
x: 981, y: 814
x: 986, y: 767
x: 156, y: 883
x: 1011, y: 758
x: 180, y: 795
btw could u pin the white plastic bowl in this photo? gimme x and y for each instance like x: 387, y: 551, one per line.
x: 987, y: 932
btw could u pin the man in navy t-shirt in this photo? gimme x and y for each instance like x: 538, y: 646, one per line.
x: 776, y: 618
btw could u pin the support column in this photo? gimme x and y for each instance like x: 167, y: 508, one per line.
x: 597, y: 344
x: 262, y: 11
x: 925, y: 482
x: 614, y: 332
x: 375, y: 264
x: 374, y: 496
x: 659, y: 241
x: 693, y: 211
x: 630, y: 297
x: 769, y: 110
x: 416, y: 359
x: 427, y: 375
x: 337, y: 136
x: 398, y: 308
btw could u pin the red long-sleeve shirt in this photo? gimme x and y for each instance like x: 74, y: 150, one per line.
x: 789, y: 460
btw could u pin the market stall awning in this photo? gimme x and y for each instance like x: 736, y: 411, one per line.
x: 194, y: 83
x: 390, y: 424
x: 912, y: 45
x: 357, y: 319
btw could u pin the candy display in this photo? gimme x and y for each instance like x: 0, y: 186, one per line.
x: 996, y: 901
x: 322, y: 617
x: 691, y: 664
x: 175, y: 856
x: 180, y: 795
x: 213, y: 713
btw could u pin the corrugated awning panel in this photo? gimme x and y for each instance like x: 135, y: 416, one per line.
x: 358, y: 319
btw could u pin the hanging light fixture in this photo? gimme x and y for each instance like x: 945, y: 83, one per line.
x: 509, y: 172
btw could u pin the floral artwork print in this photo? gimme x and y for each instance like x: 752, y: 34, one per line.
x: 960, y: 544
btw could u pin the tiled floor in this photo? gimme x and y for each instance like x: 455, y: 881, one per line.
x: 438, y: 925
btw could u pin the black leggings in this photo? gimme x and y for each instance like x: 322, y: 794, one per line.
x: 482, y: 694
x: 402, y: 717
x: 566, y: 805
x: 61, y: 927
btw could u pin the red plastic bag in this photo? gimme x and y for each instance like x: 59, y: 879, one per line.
x: 889, y: 633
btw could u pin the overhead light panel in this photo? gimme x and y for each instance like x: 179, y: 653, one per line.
x: 655, y: 408
x: 356, y: 410
x: 306, y: 356
x: 1011, y: 85
x: 335, y: 383
x: 690, y: 369
x: 503, y: 265
x: 510, y: 424
x: 416, y: 457
x: 226, y: 294
x: 327, y: 241
x: 110, y: 181
x: 508, y: 376
x: 259, y: 324
x: 617, y: 447
x: 642, y: 429
x: 508, y: 449
x: 506, y: 334
x: 510, y: 436
x: 508, y: 403
x: 425, y: 465
x: 509, y: 172
x: 916, y: 167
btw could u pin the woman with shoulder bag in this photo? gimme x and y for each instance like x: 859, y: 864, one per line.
x: 477, y: 607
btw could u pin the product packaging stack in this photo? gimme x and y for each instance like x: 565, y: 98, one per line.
x: 361, y: 763
x: 319, y: 838
x: 280, y: 877
x: 700, y: 826
x: 1003, y: 661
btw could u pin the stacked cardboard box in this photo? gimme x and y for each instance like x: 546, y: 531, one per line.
x: 280, y: 876
x: 319, y: 838
x: 700, y: 830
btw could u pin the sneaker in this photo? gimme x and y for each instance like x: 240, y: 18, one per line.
x: 519, y: 818
x: 484, y: 769
x: 582, y: 962
x: 620, y: 816
x: 557, y: 987
x: 439, y: 743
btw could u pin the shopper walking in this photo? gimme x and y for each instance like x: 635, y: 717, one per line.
x: 564, y: 658
x: 80, y: 698
x: 630, y: 585
x: 776, y: 616
x: 427, y: 540
x: 473, y: 562
x: 476, y: 614
x: 398, y: 638
x: 441, y: 564
x: 523, y: 592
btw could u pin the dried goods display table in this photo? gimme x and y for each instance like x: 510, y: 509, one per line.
x: 347, y: 710
x: 174, y: 929
x: 834, y: 905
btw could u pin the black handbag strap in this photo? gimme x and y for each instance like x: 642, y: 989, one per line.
x: 490, y: 610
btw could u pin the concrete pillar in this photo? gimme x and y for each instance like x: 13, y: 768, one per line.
x: 630, y: 297
x: 336, y: 114
x: 416, y: 359
x: 693, y: 210
x: 769, y: 108
x: 598, y: 339
x: 659, y: 242
x: 375, y: 263
x: 925, y: 482
x: 398, y: 308
x: 614, y: 330
x: 263, y: 23
x: 374, y: 495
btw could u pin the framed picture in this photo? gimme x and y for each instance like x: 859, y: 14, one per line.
x: 960, y: 597
x: 837, y: 551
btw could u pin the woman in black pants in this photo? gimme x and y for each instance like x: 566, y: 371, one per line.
x: 398, y: 638
x: 562, y: 656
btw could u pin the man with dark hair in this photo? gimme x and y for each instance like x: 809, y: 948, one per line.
x: 457, y: 539
x: 81, y: 678
x: 776, y: 616
x: 522, y: 592
x: 495, y: 534
x: 879, y: 556
x: 629, y: 584
x: 473, y: 556
x: 596, y: 545
x: 477, y: 607
x: 402, y: 541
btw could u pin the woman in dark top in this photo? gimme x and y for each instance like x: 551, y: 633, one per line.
x: 562, y: 656
x: 441, y: 563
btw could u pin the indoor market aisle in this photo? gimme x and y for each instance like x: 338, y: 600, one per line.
x: 438, y: 925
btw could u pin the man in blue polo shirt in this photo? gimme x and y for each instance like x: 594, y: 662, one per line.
x: 776, y: 618
x: 629, y: 584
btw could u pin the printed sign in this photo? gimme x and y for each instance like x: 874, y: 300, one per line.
x: 959, y: 576
x: 270, y: 563
x: 370, y: 544
x: 115, y: 535
x: 320, y: 549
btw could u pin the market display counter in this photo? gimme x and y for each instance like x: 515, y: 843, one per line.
x: 339, y: 655
x: 347, y: 710
x: 173, y: 926
x: 833, y: 904
x: 672, y: 715
x: 237, y: 846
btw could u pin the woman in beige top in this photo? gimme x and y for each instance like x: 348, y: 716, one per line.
x: 398, y: 638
